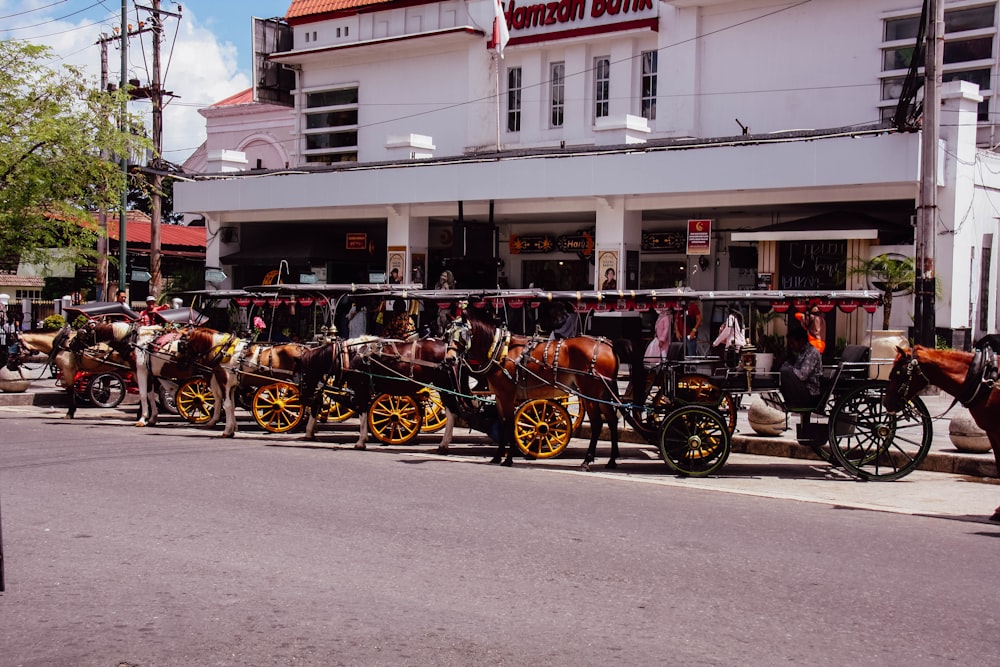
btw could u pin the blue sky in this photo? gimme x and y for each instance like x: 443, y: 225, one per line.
x: 207, y: 54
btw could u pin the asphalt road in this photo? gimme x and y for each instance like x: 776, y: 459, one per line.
x: 170, y: 546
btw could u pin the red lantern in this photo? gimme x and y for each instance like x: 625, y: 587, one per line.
x: 259, y: 302
x: 870, y: 306
x: 242, y: 302
x: 780, y: 306
x: 516, y: 303
x: 825, y: 306
x: 847, y: 305
x: 305, y: 301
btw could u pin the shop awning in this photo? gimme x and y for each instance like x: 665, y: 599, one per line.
x: 834, y: 226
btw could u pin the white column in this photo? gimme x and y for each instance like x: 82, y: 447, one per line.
x: 406, y: 244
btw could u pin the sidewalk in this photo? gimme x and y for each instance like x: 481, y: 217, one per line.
x: 943, y: 456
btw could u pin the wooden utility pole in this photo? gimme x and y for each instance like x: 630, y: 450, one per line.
x: 927, y: 209
x: 156, y: 93
x: 102, y: 239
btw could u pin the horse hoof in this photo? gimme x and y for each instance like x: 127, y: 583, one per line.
x: 443, y: 451
x: 611, y: 465
x: 140, y: 424
x: 359, y: 446
x: 585, y: 466
x: 495, y: 460
x: 507, y: 463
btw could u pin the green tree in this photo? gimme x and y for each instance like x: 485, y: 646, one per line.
x: 891, y: 274
x: 55, y: 125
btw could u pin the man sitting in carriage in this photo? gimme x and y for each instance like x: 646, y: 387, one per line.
x: 800, y: 377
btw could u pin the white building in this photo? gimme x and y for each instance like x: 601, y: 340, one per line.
x: 604, y: 131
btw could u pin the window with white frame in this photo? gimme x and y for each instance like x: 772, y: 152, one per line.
x: 557, y: 91
x: 648, y: 84
x: 969, y: 38
x: 331, y: 126
x: 602, y: 86
x: 513, y: 99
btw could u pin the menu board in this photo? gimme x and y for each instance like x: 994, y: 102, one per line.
x: 810, y: 265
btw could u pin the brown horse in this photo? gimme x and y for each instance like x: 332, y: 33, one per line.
x: 233, y: 361
x: 970, y: 377
x: 75, y: 352
x: 518, y: 368
x: 368, y: 367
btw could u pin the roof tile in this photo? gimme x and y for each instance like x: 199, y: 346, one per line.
x: 302, y: 8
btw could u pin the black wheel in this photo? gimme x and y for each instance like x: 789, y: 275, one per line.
x: 873, y: 444
x: 694, y: 440
x: 81, y: 387
x: 168, y: 397
x: 106, y: 390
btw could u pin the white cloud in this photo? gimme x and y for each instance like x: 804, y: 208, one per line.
x: 198, y: 68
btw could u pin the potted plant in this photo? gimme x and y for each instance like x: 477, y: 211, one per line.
x: 767, y: 343
x: 890, y: 274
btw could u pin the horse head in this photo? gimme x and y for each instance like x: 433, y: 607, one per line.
x: 906, y: 380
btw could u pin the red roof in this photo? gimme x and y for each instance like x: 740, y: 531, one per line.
x: 242, y: 97
x: 137, y: 231
x: 300, y: 8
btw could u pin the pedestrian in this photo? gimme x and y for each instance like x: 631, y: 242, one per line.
x: 656, y: 351
x: 397, y: 321
x: 357, y: 324
x: 121, y: 297
x: 687, y: 321
x: 731, y: 338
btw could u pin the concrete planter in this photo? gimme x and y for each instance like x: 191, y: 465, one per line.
x: 766, y: 419
x: 13, y: 382
x: 966, y: 435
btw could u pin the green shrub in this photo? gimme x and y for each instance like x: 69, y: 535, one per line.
x: 54, y: 322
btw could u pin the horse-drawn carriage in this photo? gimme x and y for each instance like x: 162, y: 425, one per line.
x: 689, y: 415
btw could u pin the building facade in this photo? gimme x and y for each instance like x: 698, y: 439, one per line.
x: 716, y: 144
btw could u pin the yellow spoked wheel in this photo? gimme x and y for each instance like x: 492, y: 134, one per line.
x: 332, y: 410
x: 435, y: 415
x: 694, y: 388
x: 575, y: 409
x: 542, y: 428
x: 395, y: 420
x: 195, y: 401
x: 277, y: 407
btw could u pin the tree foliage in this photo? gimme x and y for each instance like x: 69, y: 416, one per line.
x: 55, y: 125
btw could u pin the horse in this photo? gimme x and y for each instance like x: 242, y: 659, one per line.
x: 518, y: 368
x: 75, y: 352
x: 234, y: 361
x: 971, y: 377
x: 368, y: 367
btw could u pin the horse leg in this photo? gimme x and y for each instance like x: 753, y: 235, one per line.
x: 501, y: 444
x: 449, y: 425
x: 228, y: 392
x: 596, y: 426
x: 507, y: 438
x: 995, y: 444
x: 362, y: 430
x: 613, y: 430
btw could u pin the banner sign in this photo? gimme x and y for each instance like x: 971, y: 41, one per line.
x: 582, y: 243
x: 357, y: 241
x: 699, y: 241
x: 663, y: 241
x: 526, y: 245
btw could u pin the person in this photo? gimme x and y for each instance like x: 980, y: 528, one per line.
x: 394, y: 276
x: 800, y: 376
x: 656, y: 351
x: 9, y: 350
x: 146, y: 316
x: 566, y: 321
x: 446, y: 281
x: 609, y: 280
x: 357, y: 323
x: 121, y: 297
x: 731, y: 338
x: 397, y: 321
x: 686, y: 324
x: 814, y: 323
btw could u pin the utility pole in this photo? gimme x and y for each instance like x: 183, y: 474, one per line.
x: 102, y: 240
x: 123, y: 203
x: 927, y: 211
x: 156, y: 94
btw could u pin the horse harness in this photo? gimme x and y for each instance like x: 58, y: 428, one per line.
x: 980, y: 379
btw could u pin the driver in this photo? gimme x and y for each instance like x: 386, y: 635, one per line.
x: 800, y: 376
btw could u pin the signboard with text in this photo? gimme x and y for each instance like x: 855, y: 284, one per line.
x: 699, y: 237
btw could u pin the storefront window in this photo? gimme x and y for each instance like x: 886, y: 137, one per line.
x: 662, y: 274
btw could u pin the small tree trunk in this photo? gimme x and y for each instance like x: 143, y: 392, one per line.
x: 886, y: 309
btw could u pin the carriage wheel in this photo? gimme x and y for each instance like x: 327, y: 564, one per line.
x: 168, y: 399
x: 575, y: 409
x: 699, y: 389
x: 435, y: 416
x: 542, y: 428
x: 332, y: 409
x: 277, y: 407
x: 106, y: 390
x: 395, y: 420
x: 873, y: 444
x: 727, y: 408
x: 694, y: 440
x: 195, y: 401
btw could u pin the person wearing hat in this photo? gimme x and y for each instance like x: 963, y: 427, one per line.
x: 146, y: 316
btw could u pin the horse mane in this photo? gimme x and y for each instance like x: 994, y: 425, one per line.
x: 200, y: 340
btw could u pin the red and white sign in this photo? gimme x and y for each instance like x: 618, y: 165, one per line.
x: 699, y: 237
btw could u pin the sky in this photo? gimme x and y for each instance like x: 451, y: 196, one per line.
x: 206, y: 54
